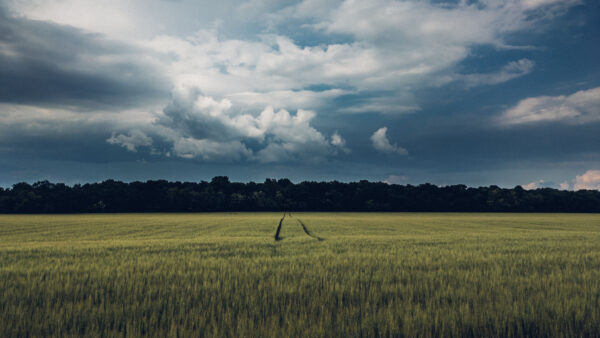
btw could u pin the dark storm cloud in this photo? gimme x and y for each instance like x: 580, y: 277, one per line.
x: 432, y: 78
x: 43, y: 63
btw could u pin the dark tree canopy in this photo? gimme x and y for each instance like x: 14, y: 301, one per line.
x: 282, y: 195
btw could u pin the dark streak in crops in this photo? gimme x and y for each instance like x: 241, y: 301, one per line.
x: 277, y: 238
x: 308, y: 232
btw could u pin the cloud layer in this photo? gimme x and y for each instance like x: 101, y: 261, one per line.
x: 274, y: 84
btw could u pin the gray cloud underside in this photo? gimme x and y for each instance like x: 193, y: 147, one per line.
x: 43, y: 63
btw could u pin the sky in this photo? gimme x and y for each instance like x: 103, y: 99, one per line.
x: 489, y: 92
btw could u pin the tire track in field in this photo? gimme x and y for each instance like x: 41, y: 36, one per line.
x: 308, y: 232
x: 277, y: 238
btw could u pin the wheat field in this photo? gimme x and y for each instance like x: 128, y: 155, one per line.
x: 327, y: 274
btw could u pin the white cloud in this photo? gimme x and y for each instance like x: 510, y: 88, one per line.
x: 400, y: 103
x: 580, y: 107
x: 533, y: 185
x: 540, y: 3
x: 338, y: 141
x: 396, y: 179
x: 202, y: 127
x: 233, y: 96
x: 135, y: 139
x: 381, y: 143
x: 272, y: 68
x: 530, y: 186
x: 288, y: 99
x: 590, y: 180
x: 564, y: 185
x: 556, y: 6
x: 392, y: 46
x: 291, y: 137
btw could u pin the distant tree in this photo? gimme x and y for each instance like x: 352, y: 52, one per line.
x: 276, y: 195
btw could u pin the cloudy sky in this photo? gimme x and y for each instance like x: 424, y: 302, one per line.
x: 503, y: 92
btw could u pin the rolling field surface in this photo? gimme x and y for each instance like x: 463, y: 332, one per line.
x: 327, y: 274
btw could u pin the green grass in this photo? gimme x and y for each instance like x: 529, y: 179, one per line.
x: 372, y: 275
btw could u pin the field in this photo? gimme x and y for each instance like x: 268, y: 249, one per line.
x: 358, y: 274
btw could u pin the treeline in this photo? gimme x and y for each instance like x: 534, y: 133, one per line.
x: 282, y: 195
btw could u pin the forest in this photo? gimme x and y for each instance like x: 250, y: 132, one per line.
x: 220, y: 194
